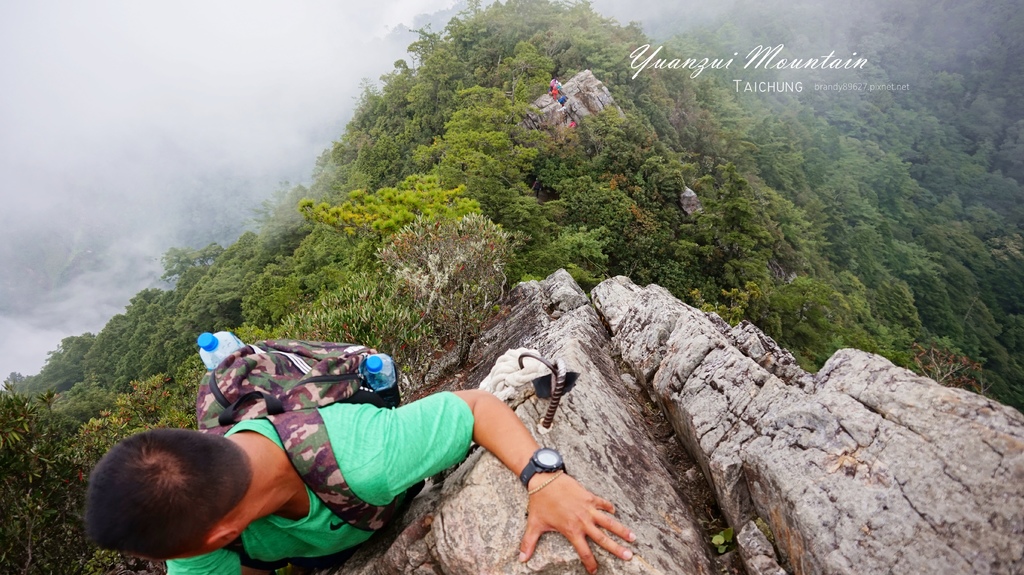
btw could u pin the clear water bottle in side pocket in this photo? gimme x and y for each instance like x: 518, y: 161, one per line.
x: 379, y: 372
x: 214, y: 347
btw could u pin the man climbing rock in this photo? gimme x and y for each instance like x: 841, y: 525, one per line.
x: 234, y: 504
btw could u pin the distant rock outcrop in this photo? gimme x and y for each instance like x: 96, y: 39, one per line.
x: 862, y: 468
x: 689, y: 202
x: 586, y: 96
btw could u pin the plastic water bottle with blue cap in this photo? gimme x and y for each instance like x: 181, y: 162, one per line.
x: 214, y: 347
x: 378, y: 370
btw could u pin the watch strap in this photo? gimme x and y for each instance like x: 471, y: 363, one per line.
x: 528, y: 472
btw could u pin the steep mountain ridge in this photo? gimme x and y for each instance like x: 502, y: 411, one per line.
x: 863, y: 467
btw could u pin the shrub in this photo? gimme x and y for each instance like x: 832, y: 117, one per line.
x: 46, y: 460
x: 454, y: 271
x: 366, y: 310
x: 42, y: 489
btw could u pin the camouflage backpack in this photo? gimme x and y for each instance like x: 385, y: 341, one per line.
x: 284, y: 381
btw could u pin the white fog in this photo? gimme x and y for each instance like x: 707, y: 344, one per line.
x: 118, y: 118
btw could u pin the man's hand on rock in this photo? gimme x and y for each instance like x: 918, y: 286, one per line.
x: 565, y: 506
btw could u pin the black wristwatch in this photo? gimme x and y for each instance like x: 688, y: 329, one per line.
x: 544, y: 460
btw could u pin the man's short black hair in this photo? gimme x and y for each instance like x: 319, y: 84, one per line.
x: 156, y: 494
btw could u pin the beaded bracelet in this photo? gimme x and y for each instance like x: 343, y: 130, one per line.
x: 546, y: 483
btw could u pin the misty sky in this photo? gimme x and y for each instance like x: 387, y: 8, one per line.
x: 114, y: 113
x: 117, y: 119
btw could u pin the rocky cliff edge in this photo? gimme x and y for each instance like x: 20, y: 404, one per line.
x: 861, y: 468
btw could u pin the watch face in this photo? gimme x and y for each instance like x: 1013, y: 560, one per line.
x: 549, y: 458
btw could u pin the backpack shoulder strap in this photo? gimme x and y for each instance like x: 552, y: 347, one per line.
x: 305, y: 439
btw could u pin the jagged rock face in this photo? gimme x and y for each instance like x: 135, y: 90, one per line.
x: 862, y: 468
x: 475, y: 522
x: 689, y: 202
x: 586, y: 96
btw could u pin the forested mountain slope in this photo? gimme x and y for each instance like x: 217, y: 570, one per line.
x: 874, y: 220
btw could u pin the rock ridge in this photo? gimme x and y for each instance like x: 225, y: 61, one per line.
x: 862, y: 467
x: 474, y: 522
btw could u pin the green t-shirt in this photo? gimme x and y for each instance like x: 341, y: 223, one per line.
x: 382, y: 452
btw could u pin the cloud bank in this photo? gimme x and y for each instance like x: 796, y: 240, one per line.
x: 119, y: 119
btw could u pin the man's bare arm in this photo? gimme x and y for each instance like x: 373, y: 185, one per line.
x: 563, y: 505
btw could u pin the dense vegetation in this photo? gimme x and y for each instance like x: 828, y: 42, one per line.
x: 888, y: 221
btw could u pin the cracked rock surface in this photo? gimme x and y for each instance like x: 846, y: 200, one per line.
x: 473, y: 523
x: 863, y: 467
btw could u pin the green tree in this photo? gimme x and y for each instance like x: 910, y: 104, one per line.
x: 64, y: 367
x: 367, y: 309
x: 136, y: 344
x: 13, y: 380
x: 185, y: 264
x: 385, y: 211
x: 85, y: 401
x: 808, y: 318
x: 731, y: 238
x: 215, y: 301
x: 485, y: 150
x: 42, y: 489
x: 454, y: 271
x: 525, y: 75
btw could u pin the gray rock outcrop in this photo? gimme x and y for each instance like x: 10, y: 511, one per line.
x: 475, y: 522
x: 689, y: 202
x: 862, y: 468
x: 586, y: 96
